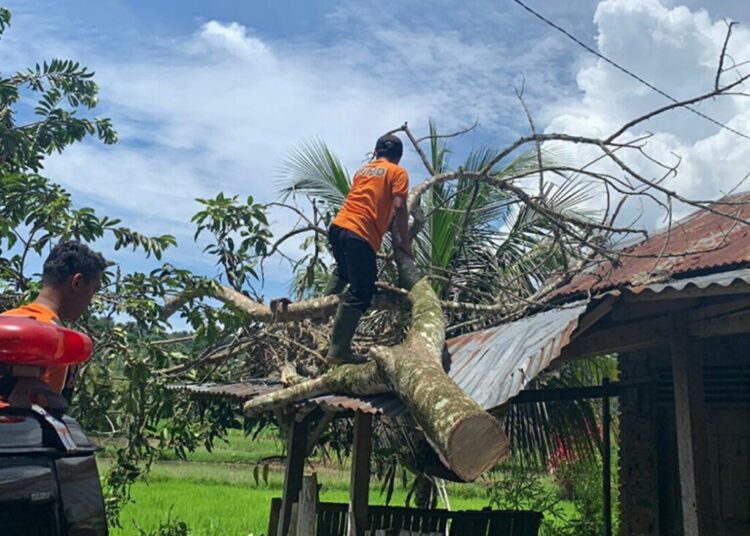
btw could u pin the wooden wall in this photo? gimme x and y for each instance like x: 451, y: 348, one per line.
x: 638, y: 453
x: 649, y: 479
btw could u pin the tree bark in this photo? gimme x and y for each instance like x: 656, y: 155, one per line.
x: 467, y: 439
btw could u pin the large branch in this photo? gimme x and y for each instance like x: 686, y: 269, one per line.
x: 278, y: 311
x: 287, y: 311
x: 468, y: 440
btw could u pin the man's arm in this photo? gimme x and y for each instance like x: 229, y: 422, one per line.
x: 402, y: 225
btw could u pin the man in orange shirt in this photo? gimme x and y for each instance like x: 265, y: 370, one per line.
x: 70, y: 278
x: 378, y: 191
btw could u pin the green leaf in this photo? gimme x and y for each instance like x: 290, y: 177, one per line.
x: 312, y: 169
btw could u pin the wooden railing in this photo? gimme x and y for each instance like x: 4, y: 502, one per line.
x: 391, y: 520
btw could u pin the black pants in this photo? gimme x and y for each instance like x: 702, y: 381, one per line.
x: 355, y: 264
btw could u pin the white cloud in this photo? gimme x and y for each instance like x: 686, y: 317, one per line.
x: 676, y: 50
x: 233, y: 37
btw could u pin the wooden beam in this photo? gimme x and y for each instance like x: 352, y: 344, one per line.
x: 592, y: 317
x: 318, y: 431
x: 273, y: 519
x: 606, y: 462
x: 719, y: 309
x: 623, y: 338
x: 296, y: 447
x: 574, y: 393
x: 725, y: 325
x: 629, y: 309
x: 692, y: 448
x: 360, y: 483
x: 644, y: 334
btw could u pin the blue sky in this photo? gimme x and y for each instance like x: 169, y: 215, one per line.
x: 210, y: 96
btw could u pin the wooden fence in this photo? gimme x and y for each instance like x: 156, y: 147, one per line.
x: 395, y: 520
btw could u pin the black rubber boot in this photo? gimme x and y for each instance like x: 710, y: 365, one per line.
x: 344, y: 326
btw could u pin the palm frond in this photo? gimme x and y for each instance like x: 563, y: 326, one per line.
x: 312, y: 169
x: 545, y: 432
x: 438, y: 149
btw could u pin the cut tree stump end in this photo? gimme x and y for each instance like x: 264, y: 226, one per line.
x: 476, y: 444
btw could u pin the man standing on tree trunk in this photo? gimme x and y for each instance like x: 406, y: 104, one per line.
x: 379, y: 188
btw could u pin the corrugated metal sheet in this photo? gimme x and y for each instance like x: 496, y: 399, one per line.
x: 385, y: 404
x: 721, y: 279
x: 495, y: 364
x: 231, y: 391
x: 702, y: 241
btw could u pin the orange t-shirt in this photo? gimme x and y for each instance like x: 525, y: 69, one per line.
x: 368, y: 208
x: 54, y: 376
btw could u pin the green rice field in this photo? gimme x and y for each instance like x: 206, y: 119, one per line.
x: 216, y: 493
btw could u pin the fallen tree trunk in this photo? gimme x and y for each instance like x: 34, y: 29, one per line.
x: 468, y: 440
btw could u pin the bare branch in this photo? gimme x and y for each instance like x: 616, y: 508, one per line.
x: 720, y: 68
x: 680, y: 104
x: 418, y: 148
x: 295, y: 232
x: 460, y: 132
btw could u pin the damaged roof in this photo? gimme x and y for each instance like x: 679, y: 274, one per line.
x: 704, y: 241
x: 385, y: 404
x: 493, y: 365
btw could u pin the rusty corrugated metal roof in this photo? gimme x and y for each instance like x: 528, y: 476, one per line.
x: 232, y: 391
x: 494, y: 365
x: 491, y: 366
x: 702, y: 241
x: 385, y: 404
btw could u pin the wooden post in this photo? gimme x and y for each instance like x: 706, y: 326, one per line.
x: 606, y: 461
x: 296, y: 446
x: 687, y: 375
x: 360, y: 482
x: 273, y: 519
x: 307, y: 507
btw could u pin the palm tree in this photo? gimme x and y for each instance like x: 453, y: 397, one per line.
x: 468, y: 223
x: 480, y: 245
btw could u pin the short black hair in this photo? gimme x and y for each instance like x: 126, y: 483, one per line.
x: 69, y: 258
x: 389, y: 146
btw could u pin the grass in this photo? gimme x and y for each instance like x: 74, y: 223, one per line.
x: 236, y: 449
x: 220, y: 493
x: 223, y: 492
x: 223, y: 499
